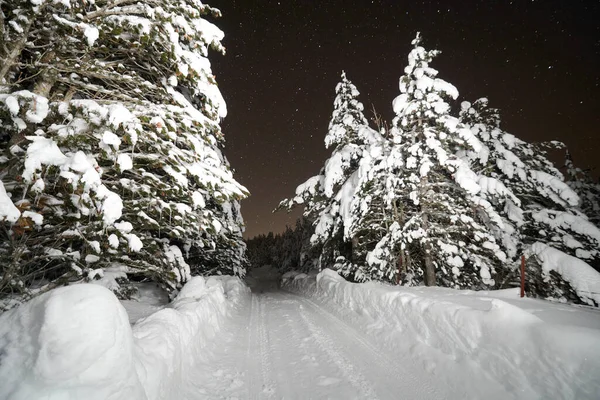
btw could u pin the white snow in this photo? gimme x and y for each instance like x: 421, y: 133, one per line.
x: 113, y: 241
x: 135, y: 244
x: 565, y: 220
x: 490, y: 345
x: 35, y: 217
x: 124, y: 162
x: 73, y: 342
x: 8, y: 211
x: 551, y: 182
x: 124, y: 227
x: 180, y: 267
x: 119, y: 115
x: 39, y: 110
x: 90, y: 259
x: 466, y: 178
x: 41, y: 151
x: 109, y: 138
x: 112, y: 206
x: 198, y: 200
x: 76, y: 342
x: 91, y: 34
x: 13, y: 105
x: 333, y: 339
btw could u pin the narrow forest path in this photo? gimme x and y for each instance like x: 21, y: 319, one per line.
x: 285, y: 346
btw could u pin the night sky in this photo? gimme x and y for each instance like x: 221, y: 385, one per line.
x: 537, y: 61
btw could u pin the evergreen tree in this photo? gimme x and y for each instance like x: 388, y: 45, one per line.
x: 327, y: 197
x: 308, y: 259
x: 113, y: 150
x: 588, y: 190
x: 438, y: 224
x: 286, y: 251
x: 347, y: 120
x: 540, y: 207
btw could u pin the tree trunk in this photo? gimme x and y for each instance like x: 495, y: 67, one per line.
x: 354, y: 251
x: 427, y: 258
x: 44, y: 85
x: 11, y: 51
x: 400, y: 267
x: 12, y: 56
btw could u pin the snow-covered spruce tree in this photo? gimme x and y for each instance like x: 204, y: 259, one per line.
x: 326, y: 197
x: 588, y: 190
x: 308, y: 259
x: 379, y: 201
x: 536, y: 205
x: 112, y: 149
x: 441, y: 227
x: 546, y: 209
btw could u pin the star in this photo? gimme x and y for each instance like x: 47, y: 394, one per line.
x: 530, y: 59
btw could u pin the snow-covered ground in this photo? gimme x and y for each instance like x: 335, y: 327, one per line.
x: 473, y: 344
x: 76, y: 342
x: 149, y: 299
x: 285, y: 346
x: 318, y: 338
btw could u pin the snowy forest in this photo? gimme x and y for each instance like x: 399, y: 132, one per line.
x: 125, y: 273
x: 287, y: 251
x: 113, y: 171
x: 445, y: 197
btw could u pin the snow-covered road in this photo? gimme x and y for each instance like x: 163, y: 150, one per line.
x: 285, y: 346
x: 320, y: 338
x: 329, y: 339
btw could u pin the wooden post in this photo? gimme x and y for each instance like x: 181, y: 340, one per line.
x: 522, y: 276
x: 399, y: 269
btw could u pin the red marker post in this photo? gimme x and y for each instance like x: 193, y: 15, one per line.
x: 522, y: 276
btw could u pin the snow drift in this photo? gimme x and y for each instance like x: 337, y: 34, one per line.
x: 526, y: 356
x: 76, y: 342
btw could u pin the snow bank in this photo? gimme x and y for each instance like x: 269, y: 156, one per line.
x: 76, y: 342
x: 168, y: 341
x: 73, y: 342
x: 463, y: 331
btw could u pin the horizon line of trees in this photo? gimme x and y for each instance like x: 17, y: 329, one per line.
x: 288, y: 250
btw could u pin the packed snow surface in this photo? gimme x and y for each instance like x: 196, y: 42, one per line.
x: 319, y: 338
x: 490, y: 345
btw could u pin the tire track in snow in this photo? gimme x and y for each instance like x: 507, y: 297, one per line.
x: 253, y: 369
x: 411, y: 386
x: 259, y: 386
x: 349, y: 371
x: 281, y: 349
x: 268, y: 389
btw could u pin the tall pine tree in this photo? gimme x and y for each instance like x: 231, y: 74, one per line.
x: 327, y: 197
x: 440, y: 226
x: 113, y: 150
x: 541, y: 207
